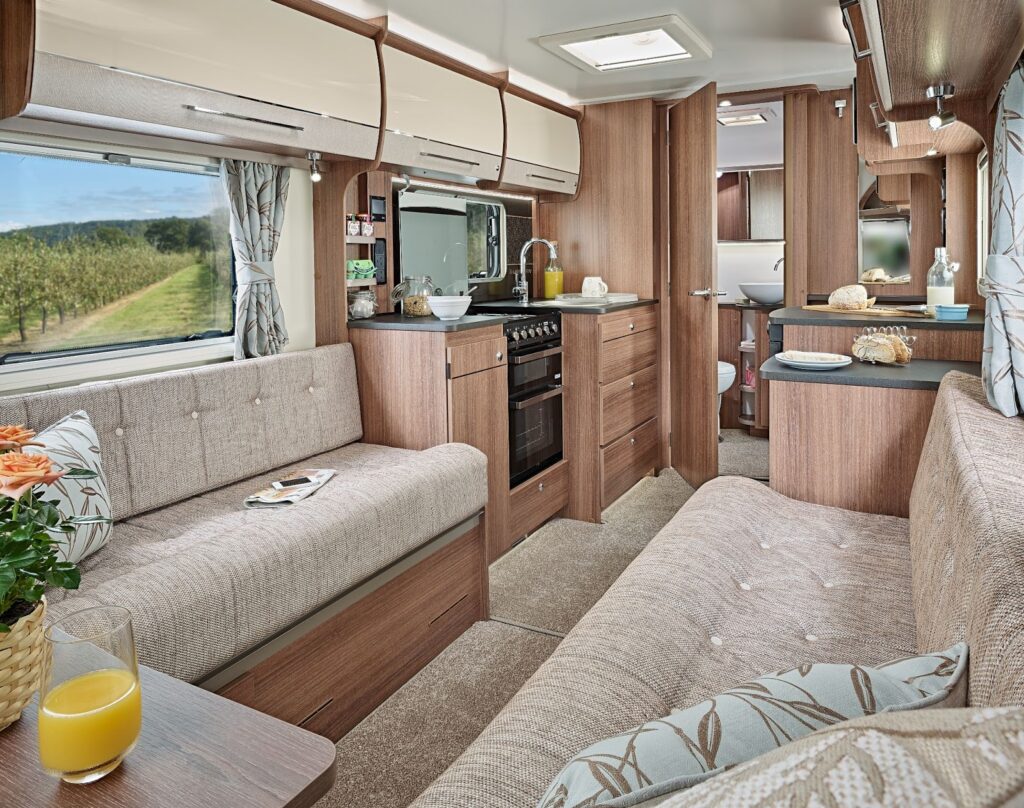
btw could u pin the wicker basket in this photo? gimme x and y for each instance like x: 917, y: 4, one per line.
x: 21, y: 657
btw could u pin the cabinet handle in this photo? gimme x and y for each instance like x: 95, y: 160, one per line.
x: 448, y: 158
x: 632, y: 326
x: 632, y: 441
x: 546, y: 179
x: 499, y: 356
x: 632, y: 385
x: 237, y: 117
x: 540, y: 487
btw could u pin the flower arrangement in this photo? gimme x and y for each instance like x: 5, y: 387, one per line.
x: 31, y: 526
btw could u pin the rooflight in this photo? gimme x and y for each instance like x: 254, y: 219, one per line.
x: 641, y: 43
x: 748, y: 119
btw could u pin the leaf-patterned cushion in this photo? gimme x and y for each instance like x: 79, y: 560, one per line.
x: 689, y: 746
x: 72, y: 443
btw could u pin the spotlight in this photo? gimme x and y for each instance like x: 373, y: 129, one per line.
x: 932, y: 152
x: 725, y: 103
x: 942, y: 117
x: 314, y: 166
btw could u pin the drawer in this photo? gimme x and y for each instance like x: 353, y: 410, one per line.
x: 627, y: 403
x: 473, y: 357
x: 538, y: 499
x: 626, y: 461
x: 625, y: 355
x: 622, y: 324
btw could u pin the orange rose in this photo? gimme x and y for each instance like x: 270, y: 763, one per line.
x: 14, y: 437
x: 19, y: 472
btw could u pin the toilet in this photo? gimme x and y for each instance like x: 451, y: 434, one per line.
x: 726, y: 376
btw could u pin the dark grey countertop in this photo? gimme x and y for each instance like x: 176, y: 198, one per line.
x: 796, y: 316
x: 920, y: 374
x: 739, y: 304
x: 399, y: 322
x: 512, y: 306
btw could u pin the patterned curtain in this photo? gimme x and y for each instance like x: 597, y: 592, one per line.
x: 1003, y: 285
x: 257, y: 194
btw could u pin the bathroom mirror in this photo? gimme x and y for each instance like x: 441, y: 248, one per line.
x: 751, y: 204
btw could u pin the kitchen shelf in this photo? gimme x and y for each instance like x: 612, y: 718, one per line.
x: 746, y: 388
x: 360, y: 282
x: 745, y: 349
x: 360, y: 239
x: 746, y: 420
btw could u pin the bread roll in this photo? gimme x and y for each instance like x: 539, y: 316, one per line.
x: 876, y: 275
x: 849, y: 298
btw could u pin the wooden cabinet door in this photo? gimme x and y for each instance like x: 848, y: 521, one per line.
x: 478, y: 415
x: 694, y: 267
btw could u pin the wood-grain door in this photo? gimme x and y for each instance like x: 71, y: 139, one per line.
x: 693, y: 231
x: 478, y: 415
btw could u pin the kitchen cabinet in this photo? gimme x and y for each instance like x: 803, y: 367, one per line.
x: 419, y: 389
x: 543, y: 151
x: 440, y: 122
x: 611, y: 405
x: 538, y: 499
x: 189, y: 65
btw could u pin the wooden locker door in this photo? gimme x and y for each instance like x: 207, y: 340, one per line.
x: 693, y: 228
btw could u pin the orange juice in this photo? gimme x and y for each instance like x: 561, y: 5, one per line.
x: 89, y: 720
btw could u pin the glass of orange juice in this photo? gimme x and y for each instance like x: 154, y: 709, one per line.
x: 90, y: 701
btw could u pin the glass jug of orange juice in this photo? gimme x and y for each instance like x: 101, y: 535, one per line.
x: 554, y: 278
x: 90, y: 701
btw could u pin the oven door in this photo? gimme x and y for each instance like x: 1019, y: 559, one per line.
x: 535, y: 434
x: 538, y: 370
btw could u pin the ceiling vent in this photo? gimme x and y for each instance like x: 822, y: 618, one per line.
x: 630, y: 45
x: 744, y: 116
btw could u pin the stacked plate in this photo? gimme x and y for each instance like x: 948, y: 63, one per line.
x: 810, y: 360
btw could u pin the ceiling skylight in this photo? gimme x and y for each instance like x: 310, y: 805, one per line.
x: 640, y: 43
x: 744, y: 116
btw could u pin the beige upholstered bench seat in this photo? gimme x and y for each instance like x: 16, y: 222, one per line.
x: 206, y: 580
x: 741, y: 582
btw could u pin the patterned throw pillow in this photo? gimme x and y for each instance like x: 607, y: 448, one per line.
x: 689, y: 746
x: 72, y: 442
x: 972, y: 758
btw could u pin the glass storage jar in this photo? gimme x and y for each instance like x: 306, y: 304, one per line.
x: 412, y: 293
x: 362, y: 304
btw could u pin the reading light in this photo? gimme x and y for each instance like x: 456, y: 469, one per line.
x: 725, y: 103
x: 931, y: 152
x: 314, y: 166
x: 942, y: 117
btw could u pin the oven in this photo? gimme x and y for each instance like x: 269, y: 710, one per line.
x: 535, y: 395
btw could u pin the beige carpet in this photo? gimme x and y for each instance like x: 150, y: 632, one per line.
x: 740, y: 455
x: 553, y: 578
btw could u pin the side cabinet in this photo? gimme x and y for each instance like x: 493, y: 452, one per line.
x: 611, y: 406
x: 419, y: 389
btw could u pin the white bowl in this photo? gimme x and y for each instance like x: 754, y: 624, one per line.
x: 449, y: 307
x: 766, y: 293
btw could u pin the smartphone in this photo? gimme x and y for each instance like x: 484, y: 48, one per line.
x: 279, y: 484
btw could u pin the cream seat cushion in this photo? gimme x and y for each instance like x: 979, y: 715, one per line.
x: 207, y: 579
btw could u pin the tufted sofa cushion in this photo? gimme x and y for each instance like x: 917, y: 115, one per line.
x: 967, y: 539
x: 169, y: 436
x: 207, y: 580
x: 741, y: 582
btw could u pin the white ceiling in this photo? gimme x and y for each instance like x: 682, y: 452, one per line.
x: 756, y: 43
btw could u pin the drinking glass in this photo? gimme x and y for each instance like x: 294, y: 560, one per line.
x: 90, y: 701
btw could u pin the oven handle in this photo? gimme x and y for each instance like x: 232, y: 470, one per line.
x: 533, y: 357
x: 522, y: 405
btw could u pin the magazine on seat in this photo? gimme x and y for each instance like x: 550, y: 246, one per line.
x: 272, y: 497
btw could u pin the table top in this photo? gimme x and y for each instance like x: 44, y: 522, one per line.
x: 920, y: 374
x: 196, y: 750
x: 794, y: 315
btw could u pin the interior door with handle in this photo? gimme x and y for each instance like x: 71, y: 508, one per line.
x: 693, y: 268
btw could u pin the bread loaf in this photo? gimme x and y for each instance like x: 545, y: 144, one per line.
x: 885, y: 348
x: 876, y: 275
x: 849, y: 298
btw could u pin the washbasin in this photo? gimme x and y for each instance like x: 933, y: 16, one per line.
x: 766, y: 293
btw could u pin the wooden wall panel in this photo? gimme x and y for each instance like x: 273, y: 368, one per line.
x: 694, y: 265
x: 733, y: 200
x: 608, y: 230
x: 894, y: 189
x: 796, y: 147
x: 17, y: 54
x: 962, y: 225
x: 661, y: 284
x: 767, y: 204
x: 925, y: 229
x: 952, y: 344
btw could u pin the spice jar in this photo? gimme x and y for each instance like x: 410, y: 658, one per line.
x: 362, y: 304
x: 412, y: 293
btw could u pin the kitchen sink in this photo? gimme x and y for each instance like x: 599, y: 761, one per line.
x: 765, y: 293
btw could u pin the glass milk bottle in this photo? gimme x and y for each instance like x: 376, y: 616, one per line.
x: 940, y: 281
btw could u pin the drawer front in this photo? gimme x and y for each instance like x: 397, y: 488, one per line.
x: 476, y: 356
x: 439, y: 158
x: 525, y: 175
x: 627, y: 403
x: 626, y: 461
x: 628, y: 322
x: 626, y: 355
x: 538, y: 499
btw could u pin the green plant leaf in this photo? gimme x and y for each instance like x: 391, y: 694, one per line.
x: 81, y: 474
x: 90, y: 520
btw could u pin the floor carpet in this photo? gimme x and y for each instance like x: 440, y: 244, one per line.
x: 402, y: 746
x: 740, y: 455
x: 553, y: 578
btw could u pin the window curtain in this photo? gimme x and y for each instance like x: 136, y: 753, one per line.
x: 1003, y: 285
x: 257, y: 194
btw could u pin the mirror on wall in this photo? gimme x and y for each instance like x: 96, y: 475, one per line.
x: 751, y: 205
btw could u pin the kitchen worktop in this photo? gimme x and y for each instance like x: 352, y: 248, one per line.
x: 750, y: 304
x: 399, y: 322
x: 797, y: 316
x: 545, y: 307
x: 920, y: 374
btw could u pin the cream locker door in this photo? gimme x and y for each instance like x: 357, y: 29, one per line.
x: 541, y: 136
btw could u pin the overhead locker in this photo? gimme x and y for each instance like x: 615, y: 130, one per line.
x: 253, y: 70
x: 543, y: 147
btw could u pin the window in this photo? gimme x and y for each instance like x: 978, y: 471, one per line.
x: 101, y: 251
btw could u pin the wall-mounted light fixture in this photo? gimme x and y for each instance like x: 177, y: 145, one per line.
x: 942, y: 117
x: 840, y: 106
x: 314, y: 166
